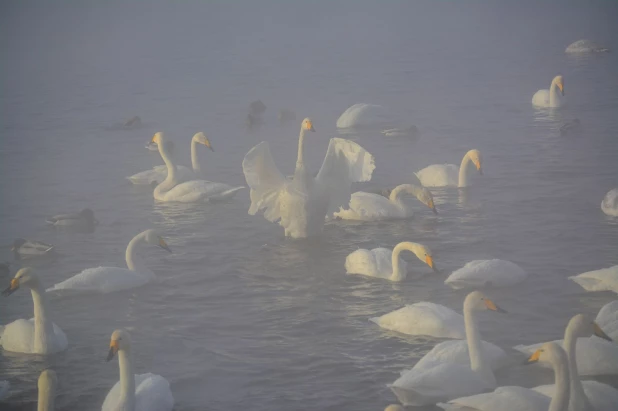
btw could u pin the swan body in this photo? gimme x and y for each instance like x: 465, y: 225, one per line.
x: 513, y: 398
x: 449, y: 175
x: 85, y: 218
x: 446, y: 381
x: 363, y: 115
x: 424, y: 318
x: 135, y: 392
x: 300, y: 205
x: 456, y: 351
x: 384, y: 263
x: 605, y: 279
x: 23, y: 249
x: 410, y: 132
x: 550, y: 97
x: 486, y: 273
x: 47, y: 383
x: 585, y: 46
x: 5, y: 386
x: 38, y: 335
x: 374, y: 207
x: 607, y: 319
x: 111, y: 279
x: 609, y: 205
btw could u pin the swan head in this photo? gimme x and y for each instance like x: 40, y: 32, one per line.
x: 550, y: 353
x: 582, y: 326
x: 48, y: 381
x: 559, y: 82
x: 421, y: 251
x: 202, y: 139
x: 153, y: 238
x: 477, y: 301
x: 25, y: 276
x: 157, y: 138
x: 307, y: 125
x: 425, y: 197
x: 475, y: 156
x: 120, y: 340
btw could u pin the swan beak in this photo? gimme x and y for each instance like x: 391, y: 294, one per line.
x: 310, y: 126
x: 11, y: 288
x: 429, y: 261
x: 561, y: 87
x: 492, y: 306
x: 164, y: 245
x: 600, y: 333
x: 534, y: 357
x: 207, y: 144
x: 113, y: 349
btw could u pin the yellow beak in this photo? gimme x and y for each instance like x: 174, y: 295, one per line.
x: 492, y: 306
x: 14, y: 285
x: 534, y: 357
x: 113, y: 349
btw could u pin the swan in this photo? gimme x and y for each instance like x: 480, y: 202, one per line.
x: 550, y: 98
x: 157, y: 174
x: 363, y: 115
x: 48, y: 381
x: 514, y: 398
x: 110, y: 279
x: 38, y: 335
x: 449, y: 175
x: 424, y: 318
x: 589, y: 394
x: 301, y: 204
x: 374, y: 207
x: 585, y: 46
x: 190, y: 191
x: 410, y: 132
x: 605, y: 279
x: 83, y: 219
x: 486, y: 273
x: 448, y: 380
x: 135, y: 392
x: 456, y: 351
x: 609, y: 205
x: 24, y: 249
x: 5, y: 386
x: 384, y: 263
x: 607, y: 319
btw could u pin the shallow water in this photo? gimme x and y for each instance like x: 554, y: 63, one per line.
x: 241, y: 317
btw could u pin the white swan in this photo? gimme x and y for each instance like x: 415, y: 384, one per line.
x: 301, y: 204
x: 605, y: 279
x: 374, y: 207
x: 446, y: 381
x: 190, y: 191
x: 514, y: 398
x: 424, y: 318
x: 384, y: 263
x: 456, y: 351
x: 110, y: 279
x: 589, y: 395
x: 550, y: 98
x: 135, y: 392
x: 39, y: 335
x: 157, y: 174
x: 585, y: 46
x: 486, y: 273
x: 363, y: 115
x: 449, y: 175
x: 48, y: 381
x: 609, y: 205
x: 607, y: 319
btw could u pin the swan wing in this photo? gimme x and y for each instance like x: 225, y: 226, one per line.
x: 607, y: 319
x: 152, y: 393
x: 486, y: 273
x: 541, y: 98
x: 345, y: 163
x: 424, y: 318
x: 508, y: 398
x: 266, y: 182
x: 605, y: 279
x: 368, y: 207
x: 439, y: 175
x: 18, y: 336
x: 609, y: 205
x: 456, y: 351
x: 105, y: 280
x: 199, y: 190
x: 602, y: 397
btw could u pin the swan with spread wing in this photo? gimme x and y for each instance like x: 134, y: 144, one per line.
x: 300, y: 204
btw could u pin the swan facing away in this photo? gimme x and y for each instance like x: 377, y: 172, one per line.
x: 38, y: 335
x: 171, y: 190
x: 110, y: 279
x: 551, y: 97
x: 609, y: 205
x: 449, y: 175
x: 486, y: 273
x: 47, y: 384
x: 363, y: 115
x: 585, y: 46
x: 301, y: 204
x: 135, y: 392
x: 605, y: 279
x: 514, y: 398
x: 374, y: 207
x: 384, y: 263
x: 447, y: 380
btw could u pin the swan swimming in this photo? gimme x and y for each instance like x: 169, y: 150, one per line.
x: 135, y: 392
x: 39, y: 335
x: 449, y: 175
x: 157, y: 174
x: 605, y: 279
x: 446, y: 381
x: 110, y: 279
x: 384, y: 263
x: 550, y: 98
x: 363, y: 115
x: 374, y: 207
x: 609, y: 205
x: 514, y: 398
x: 486, y: 273
x: 47, y: 384
x: 25, y: 249
x: 300, y: 205
x: 190, y: 191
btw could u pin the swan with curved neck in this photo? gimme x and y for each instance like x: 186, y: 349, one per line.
x: 371, y: 207
x: 40, y: 336
x: 449, y: 175
x: 551, y: 97
x: 446, y: 381
x: 143, y: 392
x: 382, y: 263
x: 47, y: 383
x: 301, y: 204
x: 108, y: 279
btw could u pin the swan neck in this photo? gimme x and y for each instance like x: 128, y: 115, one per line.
x: 47, y: 398
x: 473, y: 337
x: 195, y: 162
x: 463, y: 171
x: 553, y: 94
x: 132, y: 259
x: 398, y: 191
x: 578, y: 400
x: 397, y: 274
x: 300, y: 160
x: 43, y: 326
x: 127, y: 380
x: 560, y: 400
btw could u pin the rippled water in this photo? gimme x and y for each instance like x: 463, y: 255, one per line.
x: 241, y: 318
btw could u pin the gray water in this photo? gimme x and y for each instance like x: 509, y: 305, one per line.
x: 240, y: 317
